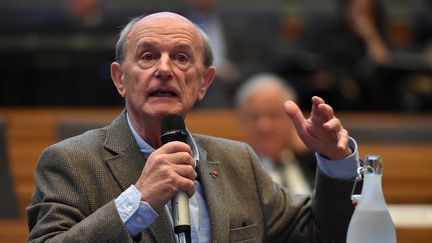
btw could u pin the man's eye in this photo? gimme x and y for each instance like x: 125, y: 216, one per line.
x: 147, y: 57
x: 182, y: 58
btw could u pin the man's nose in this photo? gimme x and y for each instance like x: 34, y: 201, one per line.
x: 264, y: 124
x: 164, y: 68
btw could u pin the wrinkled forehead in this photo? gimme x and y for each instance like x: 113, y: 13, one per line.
x: 166, y: 25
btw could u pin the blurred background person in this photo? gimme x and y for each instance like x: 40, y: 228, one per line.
x: 422, y: 26
x: 205, y: 14
x: 351, y: 49
x: 260, y: 106
x: 85, y: 13
x: 420, y: 83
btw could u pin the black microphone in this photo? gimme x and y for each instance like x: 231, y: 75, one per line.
x: 173, y: 129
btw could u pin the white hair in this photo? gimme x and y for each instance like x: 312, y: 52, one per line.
x: 259, y: 81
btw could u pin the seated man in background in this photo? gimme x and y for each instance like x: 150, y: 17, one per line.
x: 271, y: 133
x: 114, y: 184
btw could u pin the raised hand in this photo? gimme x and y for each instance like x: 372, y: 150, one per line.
x: 322, y: 132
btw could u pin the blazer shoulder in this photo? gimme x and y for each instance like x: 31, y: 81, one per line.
x: 83, y: 145
x: 206, y: 141
x: 219, y: 146
x: 89, y: 138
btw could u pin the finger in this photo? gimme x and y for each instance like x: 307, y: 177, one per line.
x: 174, y: 147
x: 186, y: 171
x: 316, y: 100
x: 159, y: 160
x: 179, y: 158
x: 179, y: 178
x: 178, y: 183
x: 189, y: 187
x: 343, y: 139
x: 316, y: 112
x: 333, y: 124
x: 295, y: 114
x: 326, y: 112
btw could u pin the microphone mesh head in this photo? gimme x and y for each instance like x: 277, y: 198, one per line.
x: 172, y: 122
x: 173, y: 129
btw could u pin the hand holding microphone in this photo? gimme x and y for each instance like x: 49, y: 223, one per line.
x: 169, y: 173
x: 173, y: 129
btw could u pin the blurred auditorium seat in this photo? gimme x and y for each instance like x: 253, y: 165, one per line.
x: 392, y: 133
x: 8, y: 203
x: 70, y: 128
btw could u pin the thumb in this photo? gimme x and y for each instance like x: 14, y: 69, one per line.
x: 295, y: 114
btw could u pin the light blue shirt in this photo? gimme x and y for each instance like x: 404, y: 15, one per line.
x: 138, y: 215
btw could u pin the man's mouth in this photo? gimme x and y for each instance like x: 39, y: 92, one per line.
x: 163, y: 93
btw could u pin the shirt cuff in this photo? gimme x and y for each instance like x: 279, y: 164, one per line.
x: 345, y: 168
x: 136, y: 215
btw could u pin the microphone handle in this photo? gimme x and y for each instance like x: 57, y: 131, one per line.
x: 173, y: 129
x: 181, y: 221
x: 184, y: 238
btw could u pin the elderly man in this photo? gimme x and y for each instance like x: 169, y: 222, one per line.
x: 272, y: 135
x: 113, y: 184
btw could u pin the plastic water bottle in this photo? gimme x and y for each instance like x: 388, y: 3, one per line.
x: 371, y: 221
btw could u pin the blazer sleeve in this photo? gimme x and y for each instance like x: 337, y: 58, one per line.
x: 321, y: 217
x: 66, y: 206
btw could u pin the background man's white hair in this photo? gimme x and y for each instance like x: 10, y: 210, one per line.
x: 259, y: 81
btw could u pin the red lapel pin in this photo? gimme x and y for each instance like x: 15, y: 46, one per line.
x: 214, y: 174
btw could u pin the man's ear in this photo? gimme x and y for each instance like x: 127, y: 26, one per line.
x: 208, y: 78
x: 117, y: 77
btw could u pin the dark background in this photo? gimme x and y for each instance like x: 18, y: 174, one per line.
x: 48, y: 59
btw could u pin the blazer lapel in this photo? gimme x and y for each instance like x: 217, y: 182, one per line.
x: 122, y: 153
x: 212, y: 182
x: 126, y: 163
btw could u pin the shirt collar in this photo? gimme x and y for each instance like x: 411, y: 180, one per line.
x: 146, y: 149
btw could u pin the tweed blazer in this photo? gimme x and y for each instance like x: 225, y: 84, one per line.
x: 78, y: 179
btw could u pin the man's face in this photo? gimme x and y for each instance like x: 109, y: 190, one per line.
x: 267, y: 124
x: 163, y: 71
